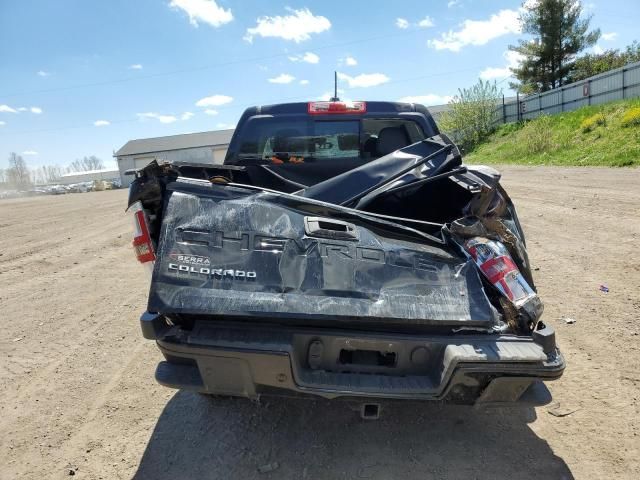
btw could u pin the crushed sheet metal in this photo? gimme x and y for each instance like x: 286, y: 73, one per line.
x: 298, y: 275
x: 402, y: 167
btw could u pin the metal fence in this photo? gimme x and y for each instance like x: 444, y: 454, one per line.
x: 615, y: 84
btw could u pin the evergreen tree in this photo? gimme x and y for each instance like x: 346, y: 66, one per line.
x: 559, y: 33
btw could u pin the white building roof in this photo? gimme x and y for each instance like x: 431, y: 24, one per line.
x: 176, y: 142
x: 92, y: 172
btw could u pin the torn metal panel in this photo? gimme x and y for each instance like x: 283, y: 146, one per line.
x: 332, y: 278
x: 226, y: 252
x: 359, y: 186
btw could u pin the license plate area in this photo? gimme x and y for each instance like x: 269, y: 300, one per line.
x: 341, y: 354
x: 374, y: 358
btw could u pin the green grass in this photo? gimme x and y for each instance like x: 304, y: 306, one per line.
x: 603, y: 135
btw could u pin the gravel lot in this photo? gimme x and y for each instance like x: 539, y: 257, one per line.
x: 76, y: 378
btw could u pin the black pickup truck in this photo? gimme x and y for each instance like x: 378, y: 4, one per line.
x: 342, y: 250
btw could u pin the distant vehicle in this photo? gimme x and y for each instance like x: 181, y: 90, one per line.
x: 79, y: 188
x: 342, y: 250
x: 56, y: 190
x: 9, y: 194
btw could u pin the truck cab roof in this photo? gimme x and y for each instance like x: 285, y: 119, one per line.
x: 372, y: 108
x: 299, y: 114
x: 300, y: 144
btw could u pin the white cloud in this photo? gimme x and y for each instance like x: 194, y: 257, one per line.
x: 30, y: 153
x: 491, y: 73
x: 609, y: 36
x: 402, y: 23
x: 304, y: 82
x: 297, y: 27
x: 478, y: 32
x: 135, y: 66
x: 8, y: 109
x: 350, y: 62
x: 307, y: 57
x: 161, y: 118
x: 206, y: 11
x: 42, y: 73
x: 2, y: 123
x: 597, y: 49
x: 214, y: 101
x: 102, y: 123
x: 186, y: 116
x: 282, y: 78
x: 225, y: 126
x: 453, y: 3
x: 211, y: 111
x: 426, y: 22
x: 326, y: 96
x: 364, y: 80
x: 429, y: 99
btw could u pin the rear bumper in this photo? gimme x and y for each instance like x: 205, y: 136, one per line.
x: 250, y: 361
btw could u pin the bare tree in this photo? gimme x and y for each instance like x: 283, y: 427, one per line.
x: 52, y: 173
x: 18, y: 173
x: 86, y: 163
x: 47, y: 174
x: 3, y: 176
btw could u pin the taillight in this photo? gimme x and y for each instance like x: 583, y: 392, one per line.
x: 322, y: 108
x: 495, y: 263
x: 142, y: 243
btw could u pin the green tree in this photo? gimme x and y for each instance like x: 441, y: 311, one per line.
x: 559, y: 33
x: 593, y: 64
x: 472, y: 113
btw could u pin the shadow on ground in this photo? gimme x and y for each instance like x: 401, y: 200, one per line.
x: 201, y: 437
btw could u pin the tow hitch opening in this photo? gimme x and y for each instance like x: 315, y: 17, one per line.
x: 370, y: 411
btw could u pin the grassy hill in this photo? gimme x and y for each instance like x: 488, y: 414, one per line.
x: 603, y: 135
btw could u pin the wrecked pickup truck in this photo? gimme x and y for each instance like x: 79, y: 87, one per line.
x: 341, y: 250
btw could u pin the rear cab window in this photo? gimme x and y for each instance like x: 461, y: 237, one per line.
x: 306, y: 139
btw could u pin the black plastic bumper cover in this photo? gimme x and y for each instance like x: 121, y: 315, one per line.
x: 249, y: 362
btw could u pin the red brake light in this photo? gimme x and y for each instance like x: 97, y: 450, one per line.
x: 498, y: 267
x: 323, y: 108
x: 142, y: 243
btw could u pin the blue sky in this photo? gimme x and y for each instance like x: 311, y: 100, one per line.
x: 82, y: 77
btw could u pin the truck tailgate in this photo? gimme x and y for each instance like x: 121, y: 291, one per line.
x: 230, y: 251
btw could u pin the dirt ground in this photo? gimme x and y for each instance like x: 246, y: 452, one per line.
x: 77, y: 393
